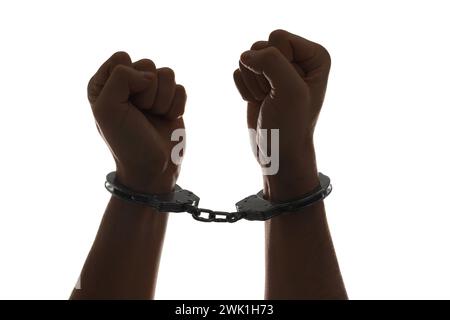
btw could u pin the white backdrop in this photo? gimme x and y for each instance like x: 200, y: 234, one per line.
x: 382, y: 138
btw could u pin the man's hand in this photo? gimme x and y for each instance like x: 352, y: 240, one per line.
x: 284, y: 81
x: 136, y: 108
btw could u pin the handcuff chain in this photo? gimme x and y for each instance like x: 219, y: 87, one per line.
x: 252, y: 208
x: 214, y: 216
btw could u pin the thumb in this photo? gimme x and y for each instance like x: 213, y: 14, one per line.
x: 271, y: 63
x: 125, y: 81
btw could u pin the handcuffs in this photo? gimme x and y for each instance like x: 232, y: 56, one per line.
x: 253, y: 207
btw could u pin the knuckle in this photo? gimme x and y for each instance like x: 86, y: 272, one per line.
x: 148, y: 63
x: 119, y: 71
x: 167, y: 72
x: 324, y: 54
x: 181, y: 90
x: 254, y: 45
x: 272, y: 53
x: 121, y: 57
x: 245, y: 73
x: 258, y: 45
x: 92, y: 90
x: 90, y: 85
x: 278, y: 35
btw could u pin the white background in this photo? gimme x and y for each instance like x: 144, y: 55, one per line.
x: 382, y: 137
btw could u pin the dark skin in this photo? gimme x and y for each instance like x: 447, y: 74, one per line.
x: 284, y: 80
x: 136, y: 108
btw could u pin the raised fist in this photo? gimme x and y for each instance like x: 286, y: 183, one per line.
x: 284, y: 81
x: 137, y: 107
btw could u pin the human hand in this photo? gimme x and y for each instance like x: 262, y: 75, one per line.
x: 136, y: 109
x: 284, y: 81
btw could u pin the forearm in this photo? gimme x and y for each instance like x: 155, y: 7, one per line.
x: 124, y: 259
x: 284, y: 80
x: 300, y: 258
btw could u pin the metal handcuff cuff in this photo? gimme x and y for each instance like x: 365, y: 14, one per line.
x: 253, y: 208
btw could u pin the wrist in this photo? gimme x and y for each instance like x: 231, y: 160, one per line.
x: 296, y: 177
x: 147, y: 184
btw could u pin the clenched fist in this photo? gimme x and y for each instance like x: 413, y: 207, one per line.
x: 284, y: 81
x: 136, y: 108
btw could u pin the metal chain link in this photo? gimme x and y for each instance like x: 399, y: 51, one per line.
x: 214, y: 216
x: 251, y: 208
